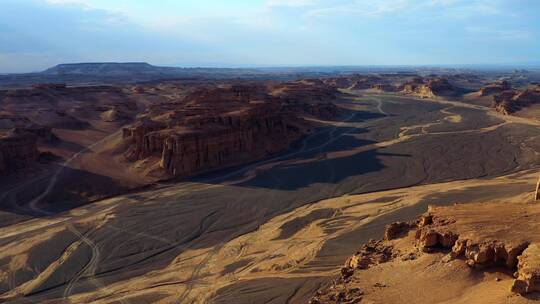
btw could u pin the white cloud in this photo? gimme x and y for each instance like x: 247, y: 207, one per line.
x: 457, y: 8
x: 484, y: 33
x: 290, y: 3
x: 362, y: 8
x: 61, y: 2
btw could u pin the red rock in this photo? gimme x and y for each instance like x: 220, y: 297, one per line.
x: 510, y: 101
x: 217, y: 127
x: 430, y: 87
x: 528, y: 271
x: 396, y: 230
x: 495, y: 88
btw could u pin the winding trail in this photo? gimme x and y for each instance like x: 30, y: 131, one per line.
x: 34, y: 204
x: 90, y: 268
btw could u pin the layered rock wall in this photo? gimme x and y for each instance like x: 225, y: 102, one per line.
x: 430, y: 87
x: 232, y: 139
x: 495, y: 88
x: 510, y: 101
x: 17, y: 150
x: 217, y: 126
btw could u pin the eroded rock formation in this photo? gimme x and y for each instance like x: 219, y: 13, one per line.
x: 427, y: 87
x: 216, y: 127
x: 511, y: 101
x: 482, y: 235
x: 495, y: 88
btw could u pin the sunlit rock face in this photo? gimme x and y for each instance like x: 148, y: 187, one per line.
x: 430, y: 87
x: 510, y: 101
x: 495, y: 88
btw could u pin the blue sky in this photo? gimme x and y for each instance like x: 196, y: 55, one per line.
x: 36, y: 34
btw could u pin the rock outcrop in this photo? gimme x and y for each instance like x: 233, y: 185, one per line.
x: 495, y: 88
x: 537, y: 193
x: 528, y: 271
x: 427, y: 87
x: 510, y: 101
x: 482, y: 235
x: 217, y: 127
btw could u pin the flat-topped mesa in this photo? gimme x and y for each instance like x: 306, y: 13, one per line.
x: 510, y: 101
x: 18, y: 149
x: 196, y: 144
x: 218, y: 127
x: 427, y: 87
x: 495, y: 88
x: 243, y: 137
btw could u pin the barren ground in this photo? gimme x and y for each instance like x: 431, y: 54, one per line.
x: 276, y: 230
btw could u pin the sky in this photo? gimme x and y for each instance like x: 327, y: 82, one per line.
x: 37, y: 34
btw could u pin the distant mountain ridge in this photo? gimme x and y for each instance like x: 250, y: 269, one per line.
x: 108, y: 68
x: 134, y: 68
x: 92, y: 73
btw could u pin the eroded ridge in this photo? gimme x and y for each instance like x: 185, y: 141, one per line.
x: 490, y: 239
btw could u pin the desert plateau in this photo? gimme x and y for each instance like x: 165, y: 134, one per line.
x: 269, y: 151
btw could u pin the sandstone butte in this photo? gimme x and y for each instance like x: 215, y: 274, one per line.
x: 465, y: 253
x: 217, y: 127
x: 510, y: 101
x: 495, y: 88
x: 426, y: 87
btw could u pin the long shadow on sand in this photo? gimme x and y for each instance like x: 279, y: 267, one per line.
x: 147, y: 234
x: 313, y: 167
x: 309, y: 153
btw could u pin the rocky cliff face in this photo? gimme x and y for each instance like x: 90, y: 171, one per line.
x: 510, y: 101
x: 430, y: 87
x: 17, y: 150
x: 243, y: 137
x: 495, y: 88
x: 217, y: 127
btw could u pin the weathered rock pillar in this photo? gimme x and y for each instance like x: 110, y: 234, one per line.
x: 537, y: 195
